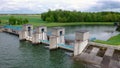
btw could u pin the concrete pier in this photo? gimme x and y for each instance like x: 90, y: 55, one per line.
x: 57, y: 37
x: 35, y: 38
x: 42, y: 33
x: 39, y: 34
x: 81, y: 41
x: 26, y: 32
x: 53, y: 42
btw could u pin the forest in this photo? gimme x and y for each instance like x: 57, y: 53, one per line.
x: 77, y: 16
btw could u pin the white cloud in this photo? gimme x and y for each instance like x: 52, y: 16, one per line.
x: 38, y: 6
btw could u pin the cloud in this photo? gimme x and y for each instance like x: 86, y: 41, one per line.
x: 39, y: 6
x: 106, y: 5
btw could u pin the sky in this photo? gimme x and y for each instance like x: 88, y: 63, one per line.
x: 40, y: 6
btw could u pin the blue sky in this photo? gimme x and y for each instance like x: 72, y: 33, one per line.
x: 39, y: 6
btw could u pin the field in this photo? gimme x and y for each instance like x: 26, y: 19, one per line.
x: 37, y: 21
x: 115, y: 40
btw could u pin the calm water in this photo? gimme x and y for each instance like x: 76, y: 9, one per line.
x: 16, y: 54
x: 98, y: 32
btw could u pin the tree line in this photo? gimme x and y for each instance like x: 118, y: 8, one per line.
x: 77, y: 16
x: 17, y: 21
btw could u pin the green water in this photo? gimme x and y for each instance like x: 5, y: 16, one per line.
x: 16, y: 54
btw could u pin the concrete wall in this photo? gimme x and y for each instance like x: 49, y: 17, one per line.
x: 53, y: 42
x: 82, y: 35
x: 42, y: 32
x: 81, y: 41
x: 57, y: 37
x: 25, y: 33
x: 22, y: 35
x: 56, y: 31
x: 35, y: 38
x: 79, y: 46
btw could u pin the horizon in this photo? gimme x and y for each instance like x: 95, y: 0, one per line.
x: 38, y: 7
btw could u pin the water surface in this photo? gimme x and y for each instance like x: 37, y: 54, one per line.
x: 16, y: 54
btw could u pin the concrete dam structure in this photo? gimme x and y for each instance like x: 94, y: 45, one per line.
x: 55, y: 39
x: 100, y: 55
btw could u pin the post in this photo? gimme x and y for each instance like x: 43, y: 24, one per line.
x: 81, y: 41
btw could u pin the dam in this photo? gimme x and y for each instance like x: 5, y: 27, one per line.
x: 83, y: 48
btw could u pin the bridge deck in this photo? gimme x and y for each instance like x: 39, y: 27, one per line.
x: 65, y: 46
x: 45, y: 41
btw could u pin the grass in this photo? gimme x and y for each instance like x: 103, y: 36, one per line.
x: 31, y: 18
x: 51, y: 24
x: 37, y: 21
x: 115, y: 40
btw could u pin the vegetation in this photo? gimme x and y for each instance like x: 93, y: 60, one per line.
x: 17, y: 21
x: 70, y: 23
x: 115, y: 40
x: 31, y: 18
x: 74, y: 16
x: 36, y: 21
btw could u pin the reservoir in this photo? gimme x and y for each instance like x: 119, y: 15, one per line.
x: 16, y: 54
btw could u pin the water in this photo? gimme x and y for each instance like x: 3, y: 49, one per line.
x: 98, y: 32
x: 16, y: 54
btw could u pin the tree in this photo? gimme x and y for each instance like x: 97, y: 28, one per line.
x: 17, y: 21
x: 12, y: 20
x: 50, y: 19
x: 75, y: 16
x: 25, y: 21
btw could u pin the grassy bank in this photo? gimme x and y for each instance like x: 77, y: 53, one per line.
x: 115, y: 40
x: 71, y: 23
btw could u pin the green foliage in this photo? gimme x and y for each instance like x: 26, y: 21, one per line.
x: 12, y: 20
x: 74, y: 16
x: 115, y: 40
x: 17, y: 21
